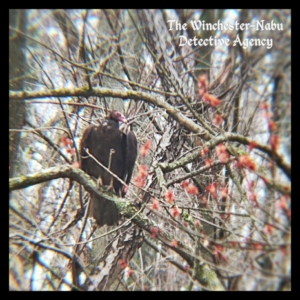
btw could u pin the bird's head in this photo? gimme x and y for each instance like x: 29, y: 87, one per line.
x: 117, y: 116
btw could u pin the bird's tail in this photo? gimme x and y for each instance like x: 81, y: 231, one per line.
x: 103, y: 211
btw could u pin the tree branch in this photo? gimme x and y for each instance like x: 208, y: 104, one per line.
x: 125, y: 208
x: 115, y: 93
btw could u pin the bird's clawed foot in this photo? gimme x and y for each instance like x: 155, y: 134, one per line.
x: 110, y: 187
x: 99, y: 182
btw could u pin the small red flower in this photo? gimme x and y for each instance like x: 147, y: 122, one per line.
x: 274, y: 141
x: 271, y: 125
x: 221, y: 148
x: 175, y: 212
x: 143, y: 171
x: 139, y: 182
x: 184, y: 184
x: 155, y: 204
x: 257, y: 246
x: 62, y: 140
x: 246, y: 161
x: 224, y: 157
x: 222, y: 153
x: 212, y: 100
x: 286, y: 188
x: 282, y: 203
x: 218, y: 253
x: 233, y: 244
x: 192, y: 189
x: 252, y: 145
x: 283, y: 249
x: 204, y: 151
x: 154, y: 231
x: 219, y: 248
x: 212, y: 189
x: 146, y: 148
x: 123, y: 263
x: 224, y: 192
x: 169, y: 196
x: 217, y: 120
x: 65, y: 142
x: 251, y: 185
x: 252, y: 197
x: 203, y: 80
x: 174, y: 243
x: 70, y: 150
x: 140, y: 179
x: 208, y: 162
x: 202, y: 84
x: 269, y: 228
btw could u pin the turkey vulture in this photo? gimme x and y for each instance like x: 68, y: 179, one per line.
x: 117, y: 151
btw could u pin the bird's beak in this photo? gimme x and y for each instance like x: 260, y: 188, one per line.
x: 122, y: 119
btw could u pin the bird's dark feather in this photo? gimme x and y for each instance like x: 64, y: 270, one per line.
x: 100, y: 140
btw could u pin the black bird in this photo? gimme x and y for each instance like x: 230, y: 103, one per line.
x: 117, y: 151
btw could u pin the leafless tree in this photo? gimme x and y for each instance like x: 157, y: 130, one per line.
x: 208, y: 207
